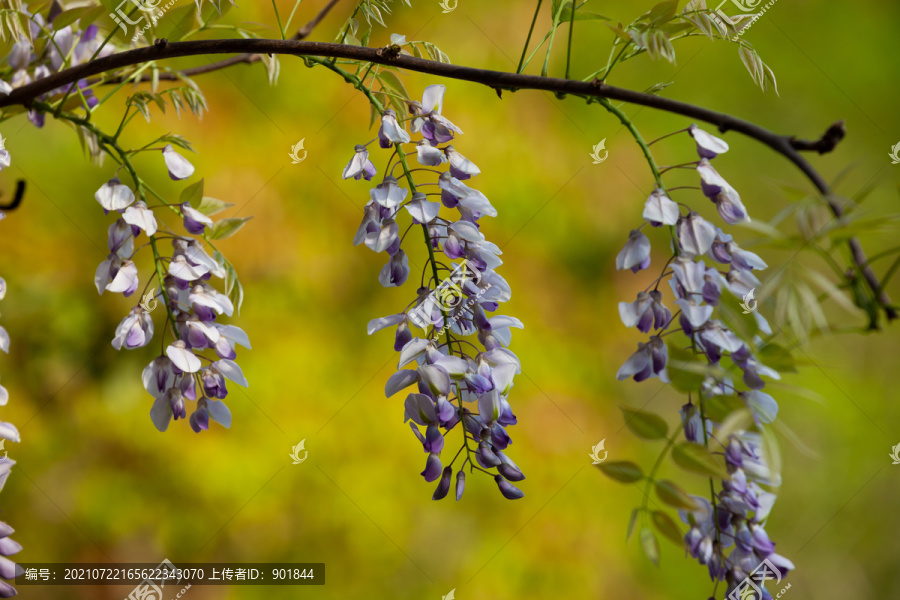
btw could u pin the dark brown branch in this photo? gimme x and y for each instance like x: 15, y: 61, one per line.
x: 307, y: 29
x: 829, y: 140
x: 787, y: 146
x: 245, y: 58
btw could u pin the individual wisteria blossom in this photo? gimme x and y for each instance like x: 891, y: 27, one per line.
x: 455, y: 386
x: 434, y: 127
x: 359, y: 165
x: 727, y: 200
x: 179, y: 167
x: 636, y: 253
x: 708, y: 145
x: 726, y: 531
x: 391, y: 132
x: 8, y: 432
x: 178, y: 378
x: 660, y: 209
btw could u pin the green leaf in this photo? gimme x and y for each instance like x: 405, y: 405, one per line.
x: 623, y: 471
x: 580, y: 15
x: 742, y: 323
x: 644, y: 424
x: 661, y: 13
x: 657, y: 87
x: 177, y: 140
x: 650, y: 545
x: 89, y: 16
x: 620, y: 33
x: 777, y: 357
x: 631, y: 523
x: 718, y: 408
x: 67, y: 17
x: 227, y: 227
x: 666, y: 526
x: 674, y: 496
x: 688, y: 370
x: 393, y: 82
x: 192, y: 194
x: 697, y: 459
x: 211, y: 206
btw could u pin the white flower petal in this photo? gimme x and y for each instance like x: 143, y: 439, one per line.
x: 433, y: 98
x: 161, y: 413
x: 659, y: 208
x: 219, y: 413
x: 412, y: 350
x: 400, y: 380
x: 114, y: 195
x: 428, y: 155
x: 183, y: 358
x: 421, y: 209
x: 382, y: 322
x: 231, y: 370
x: 141, y: 216
x: 179, y: 167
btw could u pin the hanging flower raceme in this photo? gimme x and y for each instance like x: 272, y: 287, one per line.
x: 8, y: 432
x: 726, y: 531
x: 193, y: 368
x: 460, y: 364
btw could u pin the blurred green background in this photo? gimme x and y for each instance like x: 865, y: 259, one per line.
x: 95, y: 481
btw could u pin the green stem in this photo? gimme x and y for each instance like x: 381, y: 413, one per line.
x: 278, y: 18
x: 712, y: 487
x: 553, y: 29
x: 651, y: 477
x: 571, y: 31
x: 615, y: 61
x: 528, y: 39
x: 623, y: 118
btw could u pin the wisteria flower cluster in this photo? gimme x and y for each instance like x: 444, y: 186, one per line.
x: 63, y: 48
x: 714, y: 348
x: 8, y: 431
x: 447, y: 367
x: 192, y: 305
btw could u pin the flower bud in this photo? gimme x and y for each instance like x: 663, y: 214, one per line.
x: 444, y: 484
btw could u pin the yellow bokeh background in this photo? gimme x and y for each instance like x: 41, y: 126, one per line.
x: 96, y: 482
